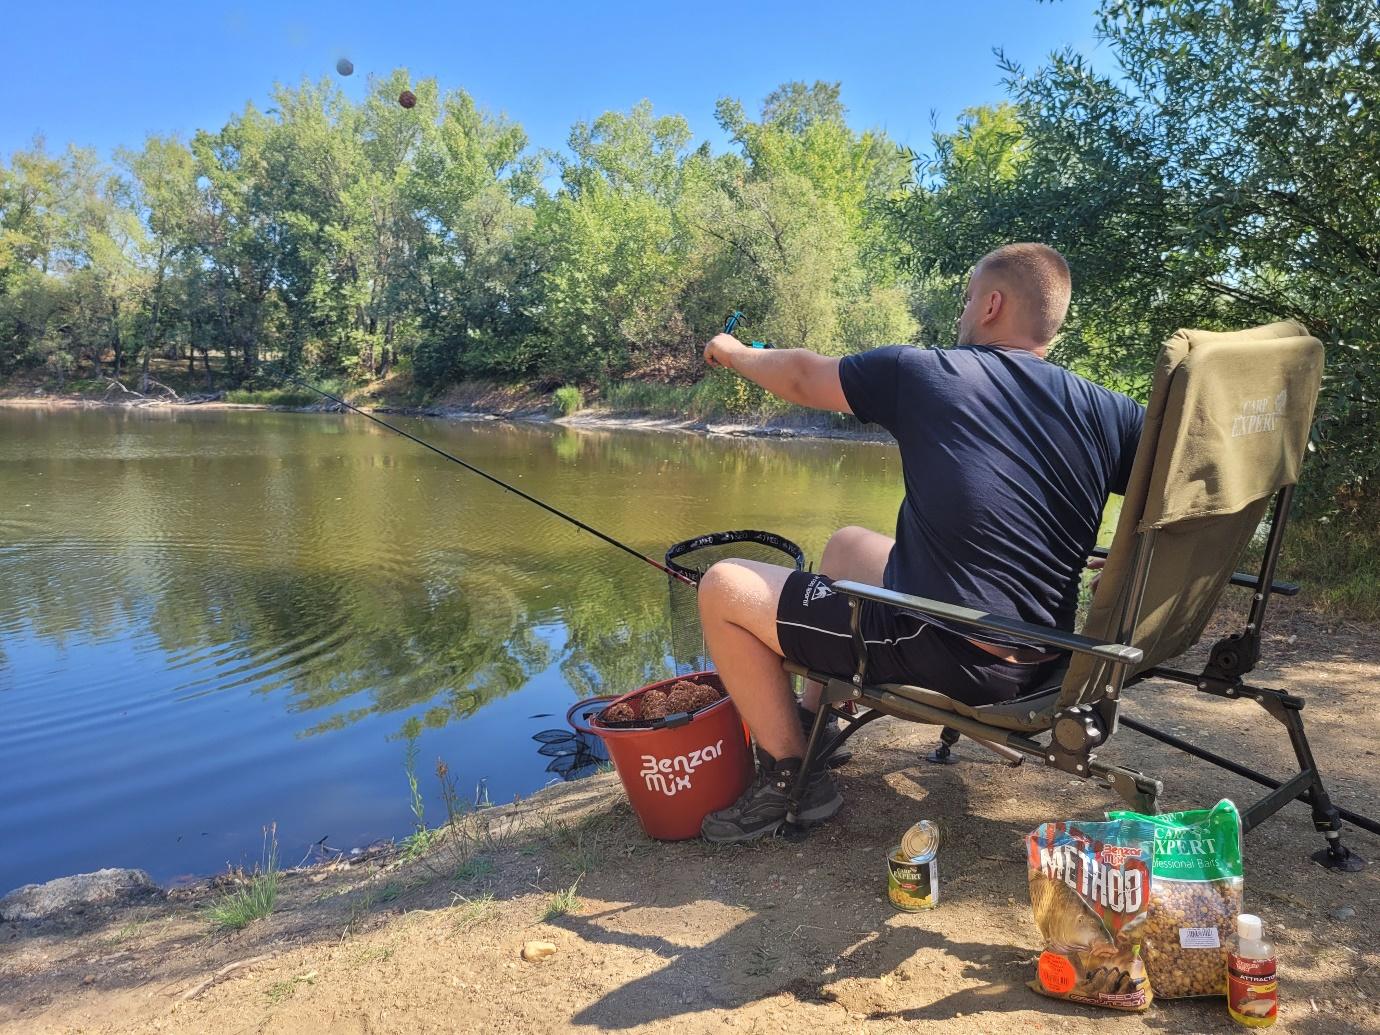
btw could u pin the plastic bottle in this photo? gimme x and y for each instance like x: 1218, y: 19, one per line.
x: 1252, y: 988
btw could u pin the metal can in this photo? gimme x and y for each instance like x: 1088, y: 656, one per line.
x: 912, y: 880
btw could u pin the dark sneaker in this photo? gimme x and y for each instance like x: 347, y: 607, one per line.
x: 761, y: 811
x: 832, y: 728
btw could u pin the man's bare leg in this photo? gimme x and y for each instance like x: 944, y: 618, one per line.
x: 857, y: 554
x: 738, y: 602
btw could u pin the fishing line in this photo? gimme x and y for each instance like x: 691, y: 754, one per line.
x: 498, y: 481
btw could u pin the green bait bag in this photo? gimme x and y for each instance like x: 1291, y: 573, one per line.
x: 1195, y: 896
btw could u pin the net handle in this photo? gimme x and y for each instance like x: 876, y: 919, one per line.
x: 745, y: 535
x: 579, y: 713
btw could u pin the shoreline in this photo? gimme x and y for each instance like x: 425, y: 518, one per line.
x: 776, y: 937
x: 593, y: 418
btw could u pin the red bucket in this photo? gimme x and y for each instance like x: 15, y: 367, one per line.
x: 679, y: 772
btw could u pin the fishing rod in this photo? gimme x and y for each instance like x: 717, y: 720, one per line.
x: 497, y: 481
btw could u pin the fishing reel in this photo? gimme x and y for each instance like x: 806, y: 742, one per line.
x: 737, y: 318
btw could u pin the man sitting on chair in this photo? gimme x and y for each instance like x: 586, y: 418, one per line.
x: 1008, y: 461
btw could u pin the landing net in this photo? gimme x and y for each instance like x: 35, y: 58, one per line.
x: 691, y: 559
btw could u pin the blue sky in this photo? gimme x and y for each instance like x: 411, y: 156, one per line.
x: 105, y: 75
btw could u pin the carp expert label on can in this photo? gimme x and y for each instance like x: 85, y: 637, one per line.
x: 912, y: 881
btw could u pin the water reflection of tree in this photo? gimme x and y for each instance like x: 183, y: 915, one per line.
x: 617, y: 636
x: 354, y: 576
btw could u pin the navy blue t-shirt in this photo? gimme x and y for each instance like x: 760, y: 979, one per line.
x: 1008, y: 461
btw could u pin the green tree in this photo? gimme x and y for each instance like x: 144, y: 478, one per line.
x: 471, y: 278
x: 1227, y: 178
x: 164, y: 194
x: 803, y: 214
x: 616, y: 253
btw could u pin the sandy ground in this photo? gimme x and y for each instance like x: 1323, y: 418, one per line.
x: 781, y: 937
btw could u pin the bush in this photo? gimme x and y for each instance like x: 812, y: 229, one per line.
x: 648, y: 397
x: 566, y: 400
x: 273, y: 396
x: 722, y: 394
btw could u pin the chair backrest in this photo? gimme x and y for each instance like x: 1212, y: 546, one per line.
x: 1226, y: 427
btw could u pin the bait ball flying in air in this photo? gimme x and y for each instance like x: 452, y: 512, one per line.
x: 407, y: 98
x: 345, y: 66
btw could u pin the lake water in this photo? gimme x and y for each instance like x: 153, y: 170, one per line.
x: 215, y: 621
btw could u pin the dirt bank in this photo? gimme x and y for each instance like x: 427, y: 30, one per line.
x: 479, y: 402
x: 777, y: 937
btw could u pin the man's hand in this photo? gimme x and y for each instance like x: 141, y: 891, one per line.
x: 721, y: 350
x: 1095, y: 564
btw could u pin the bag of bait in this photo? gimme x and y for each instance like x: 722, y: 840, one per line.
x: 1090, y: 892
x: 1195, y: 895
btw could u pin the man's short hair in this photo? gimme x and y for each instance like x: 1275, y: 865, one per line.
x: 1037, y: 279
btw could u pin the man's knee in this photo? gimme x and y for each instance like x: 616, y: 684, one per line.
x: 719, y: 585
x: 744, y: 593
x: 849, y: 537
x: 852, y: 552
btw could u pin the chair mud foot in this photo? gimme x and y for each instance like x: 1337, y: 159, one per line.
x: 1337, y: 856
x: 943, y: 754
x: 1140, y: 792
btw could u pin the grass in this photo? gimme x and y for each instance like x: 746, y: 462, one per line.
x: 647, y: 397
x: 273, y: 396
x: 474, y: 868
x: 763, y: 959
x: 282, y: 990
x: 1337, y: 561
x: 583, y: 845
x: 124, y: 933
x: 472, y: 911
x: 566, y: 400
x: 717, y: 396
x: 378, y: 954
x: 421, y: 839
x: 562, y: 902
x: 365, y: 903
x: 255, y: 897
x: 461, y: 847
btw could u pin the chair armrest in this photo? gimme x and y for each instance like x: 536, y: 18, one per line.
x: 1284, y: 589
x: 1120, y: 653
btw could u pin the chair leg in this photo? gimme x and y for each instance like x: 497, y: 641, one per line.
x: 834, y: 692
x: 1326, y: 817
x: 948, y: 737
x: 943, y: 754
x: 1306, y: 785
x: 818, y: 747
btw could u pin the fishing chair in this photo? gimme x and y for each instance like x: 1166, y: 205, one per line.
x: 1226, y: 429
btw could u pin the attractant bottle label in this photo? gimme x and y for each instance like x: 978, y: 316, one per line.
x: 1252, y: 991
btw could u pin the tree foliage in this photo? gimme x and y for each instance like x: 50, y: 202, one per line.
x: 1224, y: 174
x: 1225, y: 177
x: 351, y: 239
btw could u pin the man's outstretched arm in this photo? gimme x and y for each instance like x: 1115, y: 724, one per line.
x: 797, y: 375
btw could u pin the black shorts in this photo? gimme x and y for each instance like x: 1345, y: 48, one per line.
x: 812, y: 623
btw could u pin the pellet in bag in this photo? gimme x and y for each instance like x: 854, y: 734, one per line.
x: 1195, y: 895
x: 1090, y: 892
